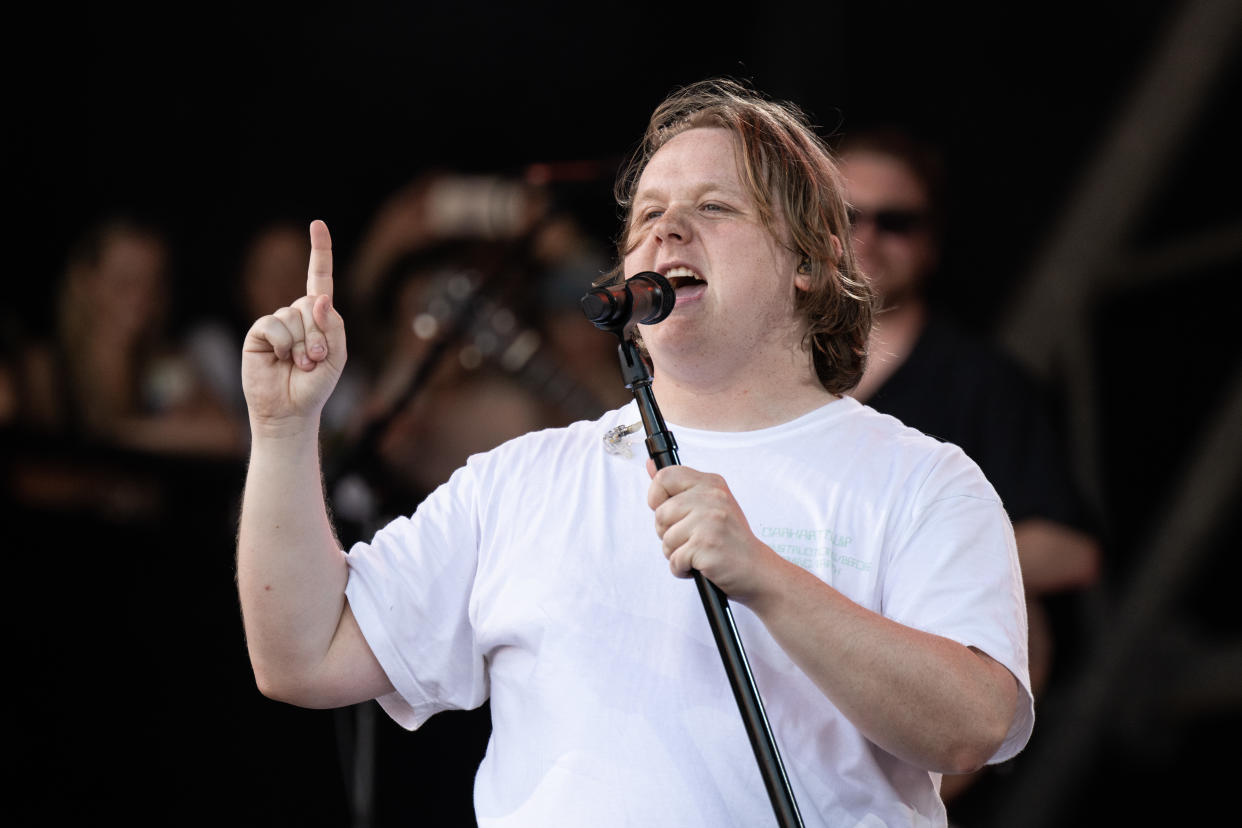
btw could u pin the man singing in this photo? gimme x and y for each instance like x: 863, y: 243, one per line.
x: 872, y: 569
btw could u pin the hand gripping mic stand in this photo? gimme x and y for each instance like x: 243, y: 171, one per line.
x: 613, y: 310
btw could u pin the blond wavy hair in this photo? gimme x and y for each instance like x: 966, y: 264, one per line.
x: 791, y: 173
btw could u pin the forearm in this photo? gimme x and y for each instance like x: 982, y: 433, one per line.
x: 921, y: 697
x: 291, y: 572
x: 924, y: 698
x: 1055, y: 557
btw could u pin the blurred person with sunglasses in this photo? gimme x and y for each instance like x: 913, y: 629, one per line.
x: 927, y: 370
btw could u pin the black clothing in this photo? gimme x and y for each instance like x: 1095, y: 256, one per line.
x: 963, y: 391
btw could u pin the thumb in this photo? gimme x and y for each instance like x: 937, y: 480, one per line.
x: 322, y: 310
x: 651, y: 468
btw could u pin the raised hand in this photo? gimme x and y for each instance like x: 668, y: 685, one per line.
x: 292, y: 359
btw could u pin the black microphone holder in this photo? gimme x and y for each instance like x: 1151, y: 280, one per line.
x: 662, y: 448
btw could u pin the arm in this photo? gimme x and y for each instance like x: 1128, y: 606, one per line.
x: 304, y: 643
x: 1055, y: 557
x: 923, y: 698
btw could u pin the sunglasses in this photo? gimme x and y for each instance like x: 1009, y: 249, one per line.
x: 891, y: 220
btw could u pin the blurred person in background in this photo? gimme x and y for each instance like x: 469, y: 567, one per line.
x: 471, y: 284
x: 436, y: 392
x: 930, y: 373
x: 112, y: 373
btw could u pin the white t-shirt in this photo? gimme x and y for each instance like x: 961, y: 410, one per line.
x: 534, y: 577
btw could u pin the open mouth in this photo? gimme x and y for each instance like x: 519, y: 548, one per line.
x: 680, y: 277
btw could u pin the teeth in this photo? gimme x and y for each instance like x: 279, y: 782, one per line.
x: 682, y: 273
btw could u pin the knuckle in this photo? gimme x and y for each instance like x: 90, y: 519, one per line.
x: 276, y: 332
x: 287, y: 317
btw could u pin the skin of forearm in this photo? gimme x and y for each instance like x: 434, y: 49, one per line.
x: 921, y: 697
x: 1055, y: 557
x: 291, y: 572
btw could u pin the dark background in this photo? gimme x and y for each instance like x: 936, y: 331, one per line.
x: 215, y: 118
x: 131, y: 677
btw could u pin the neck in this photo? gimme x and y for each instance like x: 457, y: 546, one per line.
x: 744, y: 401
x: 892, y: 339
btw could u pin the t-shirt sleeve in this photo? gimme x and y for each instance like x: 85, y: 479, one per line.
x: 954, y: 572
x: 410, y: 589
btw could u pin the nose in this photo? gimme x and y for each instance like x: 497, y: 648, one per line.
x: 672, y: 225
x: 862, y: 229
x: 864, y: 238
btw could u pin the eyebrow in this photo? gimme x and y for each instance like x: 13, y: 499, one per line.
x: 706, y: 188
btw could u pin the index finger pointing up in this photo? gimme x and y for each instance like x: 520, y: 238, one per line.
x: 319, y: 271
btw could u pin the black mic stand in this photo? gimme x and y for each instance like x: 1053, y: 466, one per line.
x: 662, y: 448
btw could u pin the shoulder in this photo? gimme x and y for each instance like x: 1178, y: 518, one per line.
x: 892, y: 449
x: 885, y: 432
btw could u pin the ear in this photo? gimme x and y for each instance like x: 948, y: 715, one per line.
x: 802, y: 276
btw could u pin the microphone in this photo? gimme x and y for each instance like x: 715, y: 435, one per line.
x: 646, y: 298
